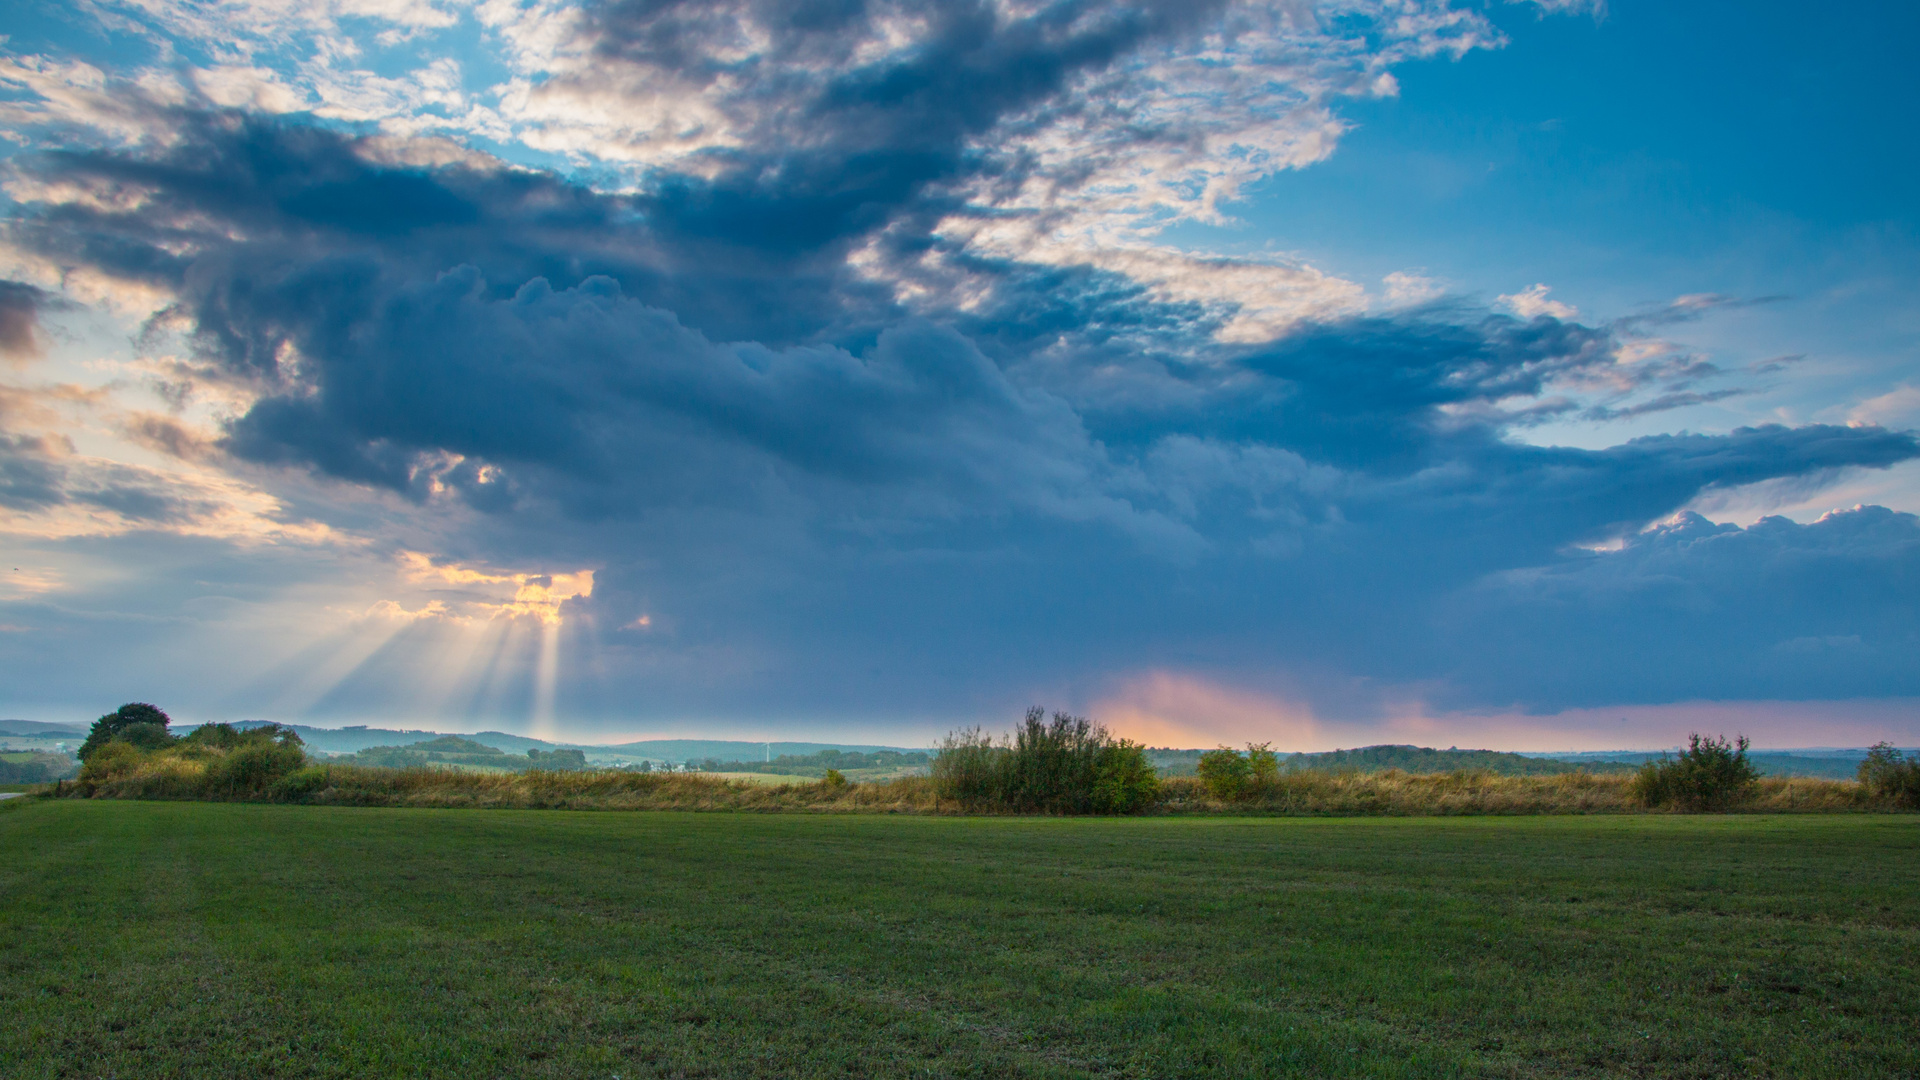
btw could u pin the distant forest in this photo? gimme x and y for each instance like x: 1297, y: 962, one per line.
x: 1412, y: 759
x: 1171, y: 762
x: 816, y: 765
x: 456, y: 751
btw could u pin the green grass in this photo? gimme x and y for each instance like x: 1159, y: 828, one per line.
x: 205, y: 940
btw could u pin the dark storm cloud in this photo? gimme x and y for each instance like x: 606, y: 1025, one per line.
x: 325, y: 229
x: 687, y: 388
x: 1694, y: 609
x: 835, y: 146
x: 592, y: 388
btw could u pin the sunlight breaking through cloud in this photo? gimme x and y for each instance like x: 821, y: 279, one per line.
x: 538, y: 596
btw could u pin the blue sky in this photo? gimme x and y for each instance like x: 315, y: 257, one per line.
x: 1536, y: 375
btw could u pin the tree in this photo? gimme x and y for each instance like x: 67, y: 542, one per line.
x: 557, y: 760
x: 135, y: 722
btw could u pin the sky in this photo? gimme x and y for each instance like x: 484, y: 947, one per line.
x: 1536, y: 375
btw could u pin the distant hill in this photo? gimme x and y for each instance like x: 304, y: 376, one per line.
x: 345, y: 740
x: 35, y: 729
x: 725, y: 750
x: 1413, y: 759
x: 851, y: 763
x: 1421, y: 759
x: 349, y: 740
x: 1832, y: 764
x: 454, y: 750
x: 1822, y: 762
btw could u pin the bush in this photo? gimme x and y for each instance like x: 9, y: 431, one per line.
x: 834, y: 779
x: 1225, y: 773
x: 216, y: 736
x: 1124, y: 781
x: 1064, y: 765
x: 1263, y: 765
x: 1228, y: 776
x: 1891, y: 776
x: 253, y: 768
x: 1052, y: 764
x: 109, y: 761
x: 969, y: 768
x: 301, y: 783
x: 1712, y: 774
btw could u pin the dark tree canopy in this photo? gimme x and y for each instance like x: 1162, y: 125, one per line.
x: 139, y: 712
x: 150, y: 721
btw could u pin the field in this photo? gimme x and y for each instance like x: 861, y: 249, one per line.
x: 207, y: 939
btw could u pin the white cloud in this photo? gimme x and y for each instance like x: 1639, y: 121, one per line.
x: 1254, y: 299
x: 1898, y: 408
x: 1532, y: 303
x: 1596, y: 8
x: 1405, y: 288
x: 256, y: 88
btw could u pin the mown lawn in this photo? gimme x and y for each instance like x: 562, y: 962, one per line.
x: 201, y: 940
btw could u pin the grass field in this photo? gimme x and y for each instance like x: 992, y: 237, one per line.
x: 205, y: 939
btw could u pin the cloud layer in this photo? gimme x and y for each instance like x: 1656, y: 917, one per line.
x: 845, y: 368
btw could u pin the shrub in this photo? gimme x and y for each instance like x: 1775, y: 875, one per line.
x: 969, y: 768
x: 1263, y: 765
x: 301, y: 783
x: 1891, y: 776
x: 834, y: 779
x: 109, y: 761
x: 1052, y: 764
x: 1712, y: 774
x: 1124, y: 781
x: 217, y: 736
x: 1225, y: 773
x: 253, y: 768
x: 1062, y: 765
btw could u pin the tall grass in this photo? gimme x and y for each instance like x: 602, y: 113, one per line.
x: 367, y: 785
x: 121, y: 771
x: 1398, y: 793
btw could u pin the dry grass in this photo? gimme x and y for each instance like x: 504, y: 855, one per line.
x: 361, y: 786
x: 1391, y: 793
x: 1397, y: 793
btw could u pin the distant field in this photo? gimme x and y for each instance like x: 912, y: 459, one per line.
x: 201, y: 939
x: 755, y: 778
